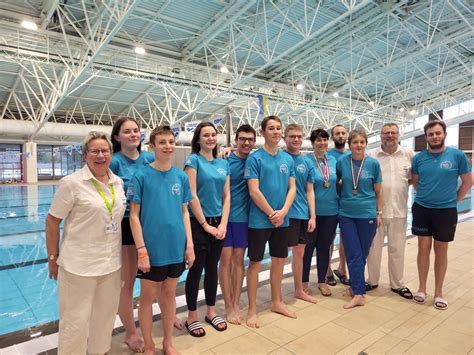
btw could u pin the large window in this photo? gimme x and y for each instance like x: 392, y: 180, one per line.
x: 54, y: 162
x: 11, y: 169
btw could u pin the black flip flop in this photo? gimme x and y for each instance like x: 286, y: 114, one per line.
x: 343, y: 278
x: 191, y: 328
x: 331, y: 281
x: 404, y: 292
x: 215, y: 322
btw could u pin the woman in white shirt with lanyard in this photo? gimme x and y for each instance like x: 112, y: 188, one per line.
x: 87, y: 266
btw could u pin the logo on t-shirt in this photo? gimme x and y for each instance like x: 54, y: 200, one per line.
x: 301, y: 168
x: 222, y: 171
x: 247, y: 172
x: 130, y: 192
x: 364, y: 174
x: 284, y: 169
x: 176, y: 189
x: 446, y: 164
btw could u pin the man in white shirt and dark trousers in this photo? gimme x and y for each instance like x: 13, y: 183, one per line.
x: 395, y: 163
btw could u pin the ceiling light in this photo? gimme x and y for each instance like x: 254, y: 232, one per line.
x: 140, y: 50
x: 29, y: 25
x: 300, y: 85
x: 402, y: 109
x: 224, y: 69
x: 412, y: 112
x: 371, y: 103
x: 335, y: 95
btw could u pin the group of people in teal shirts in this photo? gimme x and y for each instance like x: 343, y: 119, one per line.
x: 221, y: 206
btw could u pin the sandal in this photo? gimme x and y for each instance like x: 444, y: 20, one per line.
x: 404, y: 292
x: 193, y: 327
x: 440, y: 303
x: 325, y: 291
x: 343, y: 278
x: 369, y: 287
x: 331, y: 281
x: 215, y: 322
x: 419, y: 297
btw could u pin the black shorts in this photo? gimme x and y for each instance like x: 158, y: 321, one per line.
x: 161, y: 273
x: 437, y: 222
x: 298, y: 232
x: 277, y: 238
x: 127, y: 237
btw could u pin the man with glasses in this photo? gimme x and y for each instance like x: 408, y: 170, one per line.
x: 395, y: 163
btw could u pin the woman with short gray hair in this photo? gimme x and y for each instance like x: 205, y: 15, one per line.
x: 91, y: 201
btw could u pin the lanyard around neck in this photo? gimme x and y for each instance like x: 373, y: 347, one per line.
x: 109, y: 205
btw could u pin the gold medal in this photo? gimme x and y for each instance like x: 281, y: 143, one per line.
x: 355, y: 192
x: 326, y: 184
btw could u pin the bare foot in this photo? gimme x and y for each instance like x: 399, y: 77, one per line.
x: 252, y: 319
x: 302, y: 295
x: 135, y: 343
x: 357, y: 300
x: 348, y: 292
x: 232, y: 316
x: 170, y: 350
x: 281, y: 308
x: 149, y: 351
x: 178, y: 323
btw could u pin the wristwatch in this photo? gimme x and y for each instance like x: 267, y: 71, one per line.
x: 379, y: 213
x: 52, y: 257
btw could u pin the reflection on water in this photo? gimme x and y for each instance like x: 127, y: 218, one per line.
x: 29, y: 297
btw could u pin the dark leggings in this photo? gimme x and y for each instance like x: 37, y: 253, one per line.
x: 207, y: 250
x: 320, y: 239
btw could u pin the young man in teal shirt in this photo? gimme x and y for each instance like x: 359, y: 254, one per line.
x: 270, y: 176
x: 435, y: 175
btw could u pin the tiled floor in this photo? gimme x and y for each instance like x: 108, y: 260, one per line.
x: 387, y: 324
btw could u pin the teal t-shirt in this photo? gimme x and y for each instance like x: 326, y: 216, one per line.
x: 161, y: 195
x: 327, y: 199
x: 125, y: 167
x: 363, y: 204
x: 210, y: 182
x: 273, y: 173
x: 336, y: 154
x: 438, y: 177
x: 239, y: 192
x: 303, y: 174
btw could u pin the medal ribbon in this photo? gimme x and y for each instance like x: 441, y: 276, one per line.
x: 355, y: 181
x: 109, y: 205
x: 324, y: 173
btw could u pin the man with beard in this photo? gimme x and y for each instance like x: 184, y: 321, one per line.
x: 395, y: 163
x: 435, y: 175
x: 339, y: 137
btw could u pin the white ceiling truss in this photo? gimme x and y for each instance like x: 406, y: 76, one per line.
x: 380, y: 57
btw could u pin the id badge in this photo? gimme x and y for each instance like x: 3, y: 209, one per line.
x: 111, y: 228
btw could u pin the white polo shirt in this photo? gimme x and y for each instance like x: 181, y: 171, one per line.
x: 86, y: 248
x: 396, y: 170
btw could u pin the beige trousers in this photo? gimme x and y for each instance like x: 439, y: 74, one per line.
x: 395, y: 230
x: 87, y: 309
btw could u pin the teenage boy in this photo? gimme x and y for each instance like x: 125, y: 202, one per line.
x: 231, y: 265
x: 435, y: 174
x: 302, y: 212
x: 270, y: 176
x: 161, y: 229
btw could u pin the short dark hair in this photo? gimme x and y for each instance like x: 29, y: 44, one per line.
x: 433, y: 123
x: 318, y: 133
x: 160, y: 130
x: 268, y: 118
x: 338, y: 125
x: 116, y: 146
x: 356, y: 132
x: 195, y: 147
x: 247, y: 129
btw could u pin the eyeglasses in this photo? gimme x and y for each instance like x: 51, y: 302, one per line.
x: 96, y: 152
x: 243, y: 140
x: 389, y: 133
x: 295, y: 136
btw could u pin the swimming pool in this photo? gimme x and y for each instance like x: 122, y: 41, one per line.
x: 29, y: 298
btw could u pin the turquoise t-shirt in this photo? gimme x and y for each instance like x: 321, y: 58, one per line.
x: 273, y: 173
x: 336, y: 154
x: 303, y: 174
x: 161, y: 195
x: 438, y: 177
x: 327, y: 199
x: 210, y: 182
x: 125, y: 167
x: 239, y: 192
x: 363, y: 204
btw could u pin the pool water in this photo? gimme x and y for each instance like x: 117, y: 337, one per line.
x: 28, y: 297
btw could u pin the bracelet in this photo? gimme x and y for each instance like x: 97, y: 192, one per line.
x: 143, y: 246
x: 142, y: 255
x: 203, y: 223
